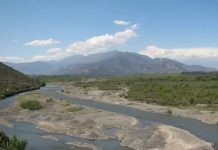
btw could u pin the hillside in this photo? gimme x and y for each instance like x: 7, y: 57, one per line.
x: 13, y: 82
x: 108, y: 63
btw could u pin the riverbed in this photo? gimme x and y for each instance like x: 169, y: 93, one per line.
x: 208, y: 132
x: 31, y: 133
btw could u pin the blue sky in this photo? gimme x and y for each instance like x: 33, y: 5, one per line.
x: 178, y: 29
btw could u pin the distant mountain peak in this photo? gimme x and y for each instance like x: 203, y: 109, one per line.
x: 108, y: 63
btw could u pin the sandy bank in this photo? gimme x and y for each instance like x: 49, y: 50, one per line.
x: 5, y: 123
x: 162, y: 137
x: 89, y: 123
x: 113, y: 97
x: 83, y: 145
x: 71, y: 119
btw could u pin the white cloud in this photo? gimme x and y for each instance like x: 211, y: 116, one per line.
x: 42, y: 42
x: 11, y: 59
x: 54, y: 51
x: 100, y: 43
x: 52, y: 54
x: 135, y: 26
x: 154, y: 51
x: 121, y: 22
x: 92, y: 45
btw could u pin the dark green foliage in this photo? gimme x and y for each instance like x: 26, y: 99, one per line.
x: 49, y: 100
x: 163, y: 89
x: 12, y: 143
x: 13, y: 82
x: 58, y: 78
x: 31, y: 105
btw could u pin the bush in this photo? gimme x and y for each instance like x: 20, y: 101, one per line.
x: 169, y: 112
x: 74, y: 109
x: 31, y: 105
x: 49, y: 100
x: 13, y: 143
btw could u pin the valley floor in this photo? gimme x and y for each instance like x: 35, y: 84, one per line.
x: 113, y: 96
x: 89, y: 123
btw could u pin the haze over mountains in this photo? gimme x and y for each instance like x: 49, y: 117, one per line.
x: 108, y: 63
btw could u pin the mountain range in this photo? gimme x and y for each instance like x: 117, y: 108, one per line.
x: 107, y: 63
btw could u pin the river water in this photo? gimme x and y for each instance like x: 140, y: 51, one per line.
x: 33, y: 135
x: 202, y: 130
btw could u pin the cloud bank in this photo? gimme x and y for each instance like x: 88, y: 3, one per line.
x: 198, y: 56
x: 95, y: 44
x: 42, y: 42
x: 11, y: 59
x: 100, y: 43
x: 154, y: 52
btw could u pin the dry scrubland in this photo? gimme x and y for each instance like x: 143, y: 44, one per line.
x: 189, y: 95
x: 113, y: 96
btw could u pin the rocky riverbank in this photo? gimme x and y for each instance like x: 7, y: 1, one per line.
x: 59, y: 116
x: 113, y: 96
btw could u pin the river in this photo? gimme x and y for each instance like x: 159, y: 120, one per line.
x: 202, y: 130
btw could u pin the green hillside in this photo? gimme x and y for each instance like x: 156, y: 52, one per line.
x: 13, y: 82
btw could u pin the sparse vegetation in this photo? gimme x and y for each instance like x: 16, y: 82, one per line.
x: 59, y: 78
x: 187, y: 89
x: 13, y: 143
x: 182, y: 90
x: 49, y: 100
x: 169, y: 112
x: 74, y: 109
x: 31, y: 105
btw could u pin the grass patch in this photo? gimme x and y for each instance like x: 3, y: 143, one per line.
x: 31, y: 105
x: 74, y: 109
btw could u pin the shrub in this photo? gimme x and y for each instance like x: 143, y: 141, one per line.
x: 49, y: 100
x: 13, y: 143
x: 169, y: 112
x: 31, y: 105
x: 74, y: 109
